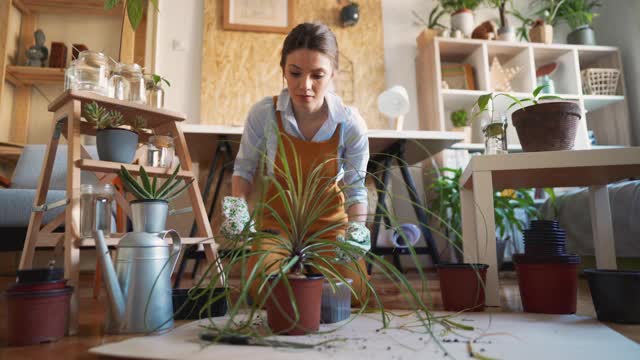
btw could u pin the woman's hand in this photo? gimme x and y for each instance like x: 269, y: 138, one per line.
x: 236, y: 213
x: 356, y: 235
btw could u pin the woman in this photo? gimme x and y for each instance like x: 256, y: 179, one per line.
x: 314, y: 121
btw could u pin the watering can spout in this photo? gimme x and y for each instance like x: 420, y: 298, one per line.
x: 114, y: 292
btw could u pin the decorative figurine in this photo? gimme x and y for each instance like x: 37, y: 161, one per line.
x: 37, y: 55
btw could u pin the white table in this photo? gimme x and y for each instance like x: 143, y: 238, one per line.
x: 489, y: 173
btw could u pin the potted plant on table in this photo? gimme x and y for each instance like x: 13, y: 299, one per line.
x: 431, y: 24
x: 150, y: 209
x: 461, y: 14
x: 579, y: 16
x: 542, y: 126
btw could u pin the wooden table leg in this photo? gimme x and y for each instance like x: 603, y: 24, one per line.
x: 482, y: 249
x: 602, y: 226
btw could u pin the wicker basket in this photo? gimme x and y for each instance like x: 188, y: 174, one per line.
x: 600, y: 81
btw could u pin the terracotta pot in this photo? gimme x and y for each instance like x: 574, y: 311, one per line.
x: 38, y: 286
x: 547, y: 127
x: 307, y: 295
x: 541, y: 34
x: 37, y: 317
x: 548, y: 285
x: 462, y: 286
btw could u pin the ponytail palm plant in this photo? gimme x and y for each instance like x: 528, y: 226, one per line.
x: 300, y: 252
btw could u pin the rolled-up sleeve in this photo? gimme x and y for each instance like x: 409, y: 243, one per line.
x: 355, y: 157
x: 251, y: 144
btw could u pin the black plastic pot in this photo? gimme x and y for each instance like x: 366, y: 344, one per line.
x: 185, y: 308
x: 615, y: 295
x: 40, y: 275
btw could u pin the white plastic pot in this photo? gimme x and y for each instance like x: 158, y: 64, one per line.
x: 463, y: 20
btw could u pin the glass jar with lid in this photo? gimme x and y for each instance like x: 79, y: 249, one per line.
x: 118, y: 84
x: 133, y: 75
x: 91, y: 72
x: 160, y: 151
x: 70, y: 75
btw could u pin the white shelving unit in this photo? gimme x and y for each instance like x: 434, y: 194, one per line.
x: 606, y: 115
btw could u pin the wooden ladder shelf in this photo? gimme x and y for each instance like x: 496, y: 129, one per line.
x: 68, y: 122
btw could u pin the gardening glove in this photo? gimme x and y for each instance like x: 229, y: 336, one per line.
x: 236, y: 213
x: 358, y: 235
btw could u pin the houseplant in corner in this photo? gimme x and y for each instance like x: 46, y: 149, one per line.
x: 432, y: 27
x: 461, y: 14
x: 579, y: 16
x: 113, y: 140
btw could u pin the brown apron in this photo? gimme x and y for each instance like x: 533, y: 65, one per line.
x: 310, y: 155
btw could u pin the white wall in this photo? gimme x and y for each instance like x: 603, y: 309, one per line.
x: 179, y: 53
x: 625, y: 13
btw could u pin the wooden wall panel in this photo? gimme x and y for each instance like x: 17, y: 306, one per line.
x: 240, y: 68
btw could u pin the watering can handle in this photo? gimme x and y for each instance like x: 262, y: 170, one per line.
x: 176, y: 247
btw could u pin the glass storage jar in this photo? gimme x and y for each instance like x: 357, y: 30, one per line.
x: 155, y: 92
x: 118, y: 84
x: 133, y: 75
x: 495, y: 135
x: 160, y: 151
x: 91, y: 72
x: 95, y: 209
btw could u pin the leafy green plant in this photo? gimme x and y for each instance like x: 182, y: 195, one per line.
x: 446, y: 205
x: 135, y: 9
x: 451, y: 6
x: 148, y: 188
x: 578, y: 12
x: 486, y: 102
x: 432, y: 22
x: 158, y: 79
x: 501, y: 5
x: 101, y: 118
x: 459, y: 118
x: 549, y: 10
x: 522, y: 32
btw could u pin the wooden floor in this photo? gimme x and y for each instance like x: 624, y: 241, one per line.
x: 91, y: 334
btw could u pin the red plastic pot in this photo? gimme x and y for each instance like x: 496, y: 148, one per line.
x: 307, y: 294
x: 37, y: 317
x: 550, y: 287
x: 462, y: 286
x: 38, y: 286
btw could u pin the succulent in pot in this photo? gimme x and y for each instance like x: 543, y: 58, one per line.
x: 114, y: 141
x: 149, y: 210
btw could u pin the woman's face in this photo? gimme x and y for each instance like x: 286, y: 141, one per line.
x: 308, y: 74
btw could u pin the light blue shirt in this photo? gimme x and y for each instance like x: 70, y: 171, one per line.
x: 260, y: 134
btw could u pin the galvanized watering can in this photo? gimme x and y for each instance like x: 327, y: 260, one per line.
x: 139, y: 286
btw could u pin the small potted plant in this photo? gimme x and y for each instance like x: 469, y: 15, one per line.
x: 542, y: 28
x: 150, y: 209
x: 155, y: 92
x: 461, y: 14
x: 114, y: 142
x: 579, y: 16
x: 431, y: 24
x: 460, y: 121
x: 547, y: 126
x: 505, y: 32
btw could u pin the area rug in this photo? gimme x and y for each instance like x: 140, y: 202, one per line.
x: 495, y: 336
